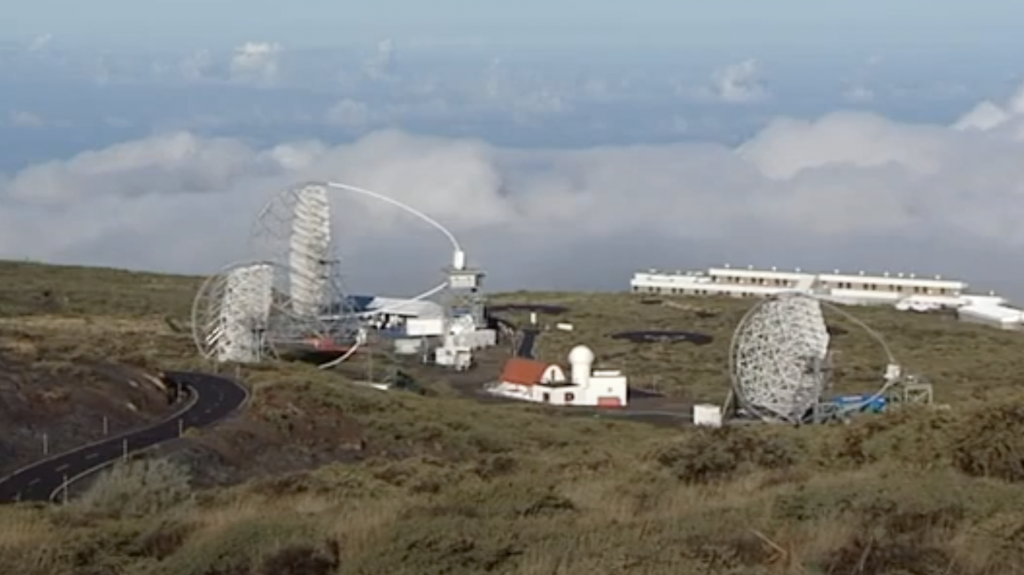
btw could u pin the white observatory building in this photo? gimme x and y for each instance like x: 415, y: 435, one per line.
x: 531, y: 380
x: 904, y: 291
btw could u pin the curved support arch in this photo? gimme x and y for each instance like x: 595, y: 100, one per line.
x: 400, y: 205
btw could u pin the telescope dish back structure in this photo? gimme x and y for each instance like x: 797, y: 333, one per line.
x: 294, y: 232
x: 228, y: 322
x: 779, y: 359
x: 309, y: 254
x: 294, y: 229
x: 246, y: 311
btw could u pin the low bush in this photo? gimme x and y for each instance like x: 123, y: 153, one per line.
x: 137, y: 488
x: 990, y: 443
x: 716, y: 454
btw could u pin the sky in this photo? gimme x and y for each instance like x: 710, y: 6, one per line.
x: 724, y: 23
x: 566, y: 151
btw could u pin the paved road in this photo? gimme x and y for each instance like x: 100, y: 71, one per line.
x: 527, y: 342
x: 212, y: 399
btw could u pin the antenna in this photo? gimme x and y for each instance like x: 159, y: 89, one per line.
x: 779, y: 356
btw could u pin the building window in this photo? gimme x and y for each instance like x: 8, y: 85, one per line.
x: 546, y: 397
x: 570, y: 397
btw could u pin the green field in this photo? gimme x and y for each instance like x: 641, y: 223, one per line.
x: 321, y: 477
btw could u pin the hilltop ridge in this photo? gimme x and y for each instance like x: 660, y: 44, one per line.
x: 320, y: 476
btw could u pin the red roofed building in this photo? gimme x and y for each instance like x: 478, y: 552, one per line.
x: 534, y: 380
x: 531, y: 380
x: 526, y: 372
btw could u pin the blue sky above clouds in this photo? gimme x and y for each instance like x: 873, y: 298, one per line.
x: 727, y: 24
x: 676, y: 134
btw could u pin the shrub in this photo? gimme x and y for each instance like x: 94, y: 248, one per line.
x: 239, y: 547
x: 707, y: 455
x: 137, y: 488
x: 302, y: 559
x: 163, y: 540
x: 990, y: 443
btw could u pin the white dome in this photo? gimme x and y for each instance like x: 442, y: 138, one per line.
x: 581, y: 355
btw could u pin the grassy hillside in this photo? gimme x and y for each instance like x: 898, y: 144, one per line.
x: 963, y: 361
x: 323, y: 477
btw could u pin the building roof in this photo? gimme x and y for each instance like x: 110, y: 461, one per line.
x: 523, y: 371
x: 993, y: 312
x: 895, y: 279
x: 365, y: 304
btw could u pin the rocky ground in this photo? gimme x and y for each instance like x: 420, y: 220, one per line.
x: 63, y: 406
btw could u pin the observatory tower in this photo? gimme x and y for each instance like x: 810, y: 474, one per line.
x: 464, y: 296
x: 465, y: 324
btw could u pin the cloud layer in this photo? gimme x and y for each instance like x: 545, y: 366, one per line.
x: 739, y: 83
x: 848, y: 189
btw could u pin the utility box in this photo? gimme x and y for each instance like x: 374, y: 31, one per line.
x: 707, y: 414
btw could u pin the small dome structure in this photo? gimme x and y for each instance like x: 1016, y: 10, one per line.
x: 581, y: 359
x: 581, y: 355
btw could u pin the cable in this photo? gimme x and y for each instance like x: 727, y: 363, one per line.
x: 388, y: 200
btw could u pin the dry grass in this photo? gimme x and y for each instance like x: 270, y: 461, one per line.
x: 23, y: 527
x: 449, y: 485
x: 438, y: 516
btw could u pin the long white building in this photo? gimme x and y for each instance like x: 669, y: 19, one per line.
x: 901, y: 290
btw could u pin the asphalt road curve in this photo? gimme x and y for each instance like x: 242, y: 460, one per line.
x: 212, y: 399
